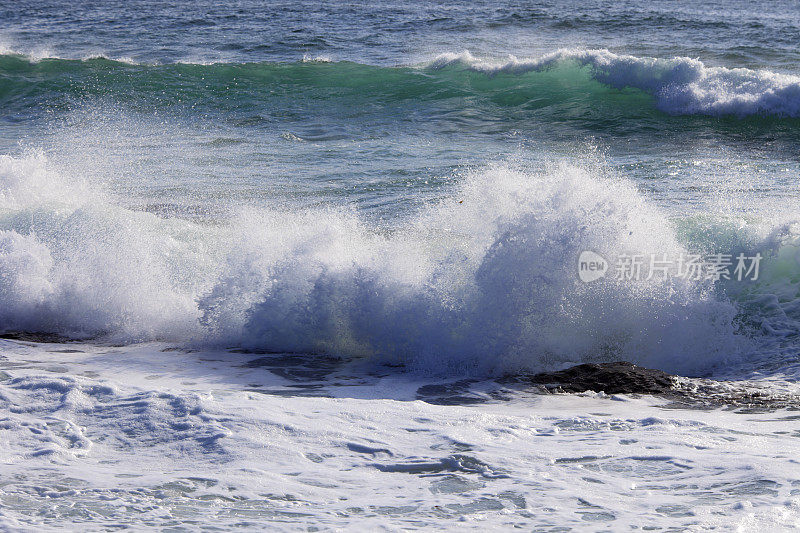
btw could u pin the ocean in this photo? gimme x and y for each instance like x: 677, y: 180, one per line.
x: 292, y: 265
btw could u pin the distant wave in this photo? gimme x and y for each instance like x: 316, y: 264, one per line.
x: 681, y: 86
x: 678, y: 86
x: 40, y: 54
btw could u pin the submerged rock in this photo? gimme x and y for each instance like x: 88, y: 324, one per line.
x: 620, y: 377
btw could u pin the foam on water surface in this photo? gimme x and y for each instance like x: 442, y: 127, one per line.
x: 247, y: 445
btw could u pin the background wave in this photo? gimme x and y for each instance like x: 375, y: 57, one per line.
x: 619, y: 85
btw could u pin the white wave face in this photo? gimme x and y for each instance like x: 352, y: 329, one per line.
x: 482, y: 283
x: 72, y: 262
x: 681, y: 86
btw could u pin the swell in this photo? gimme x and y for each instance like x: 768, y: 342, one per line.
x: 619, y: 85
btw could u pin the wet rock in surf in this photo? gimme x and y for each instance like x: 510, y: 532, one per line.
x: 27, y: 336
x: 612, y: 378
x: 626, y: 378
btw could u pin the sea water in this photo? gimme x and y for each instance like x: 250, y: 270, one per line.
x: 291, y: 252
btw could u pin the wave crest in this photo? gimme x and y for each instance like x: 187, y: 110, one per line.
x: 681, y: 86
x: 482, y: 283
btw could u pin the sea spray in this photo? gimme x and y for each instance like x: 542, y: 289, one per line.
x: 486, y: 282
x: 483, y: 282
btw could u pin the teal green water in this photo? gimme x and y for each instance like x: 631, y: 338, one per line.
x: 393, y: 126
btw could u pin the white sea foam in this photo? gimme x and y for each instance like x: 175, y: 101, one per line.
x: 40, y: 53
x: 73, y: 262
x: 188, y: 437
x: 484, y: 283
x: 681, y: 86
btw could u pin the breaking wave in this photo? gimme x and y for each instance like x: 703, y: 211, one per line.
x: 681, y: 86
x: 481, y: 283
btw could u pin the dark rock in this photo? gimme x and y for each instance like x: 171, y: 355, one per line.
x: 28, y: 336
x: 684, y: 393
x: 612, y: 378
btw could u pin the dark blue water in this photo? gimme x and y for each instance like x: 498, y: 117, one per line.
x: 733, y: 34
